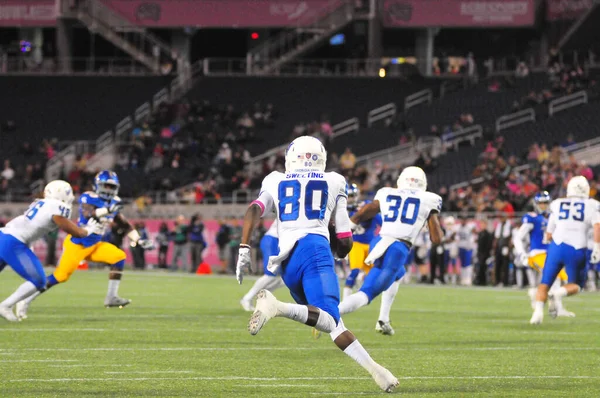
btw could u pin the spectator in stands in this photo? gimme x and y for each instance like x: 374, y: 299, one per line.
x: 197, y: 242
x: 522, y: 70
x: 162, y: 241
x: 485, y: 241
x: 347, y: 160
x: 501, y: 246
x: 7, y: 173
x: 569, y: 141
x: 181, y: 249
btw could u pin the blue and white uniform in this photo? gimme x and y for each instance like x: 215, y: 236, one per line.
x: 269, y: 246
x: 305, y: 202
x: 17, y: 236
x: 404, y: 213
x: 570, y: 221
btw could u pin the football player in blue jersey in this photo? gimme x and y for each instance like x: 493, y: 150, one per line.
x: 533, y: 229
x: 362, y: 236
x: 102, y: 204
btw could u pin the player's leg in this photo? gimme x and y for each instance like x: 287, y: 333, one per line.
x: 575, y: 269
x: 269, y: 281
x: 591, y: 273
x: 70, y: 259
x: 466, y: 266
x: 110, y: 254
x: 552, y: 266
x: 384, y: 325
x: 383, y: 274
x: 25, y: 263
x: 356, y: 259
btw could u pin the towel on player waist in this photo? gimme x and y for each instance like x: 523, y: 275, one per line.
x: 379, y: 249
x: 285, y: 248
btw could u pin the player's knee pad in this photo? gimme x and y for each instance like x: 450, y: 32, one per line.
x: 118, y: 265
x: 351, y: 280
x: 338, y: 330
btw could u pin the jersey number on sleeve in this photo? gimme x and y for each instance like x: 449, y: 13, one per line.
x: 289, y: 200
x: 577, y: 214
x: 34, y: 209
x: 410, y: 205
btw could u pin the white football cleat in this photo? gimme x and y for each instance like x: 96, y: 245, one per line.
x: 266, y: 309
x: 116, y: 302
x: 21, y: 309
x: 532, y: 293
x: 564, y: 313
x: 8, y: 314
x: 385, y: 328
x: 247, y: 305
x: 537, y: 318
x: 384, y: 378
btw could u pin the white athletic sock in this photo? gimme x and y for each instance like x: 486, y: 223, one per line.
x: 353, y: 302
x: 469, y: 274
x: 519, y: 275
x: 357, y: 352
x: 346, y: 292
x: 261, y: 283
x: 387, y: 299
x: 539, y: 306
x: 275, y: 284
x: 24, y: 291
x: 325, y: 322
x: 113, y: 288
x: 295, y: 312
x: 531, y: 277
x: 454, y: 278
x: 29, y: 299
x: 560, y: 292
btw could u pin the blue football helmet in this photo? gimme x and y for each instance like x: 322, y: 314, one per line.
x: 542, y: 198
x: 353, y: 196
x: 106, y: 184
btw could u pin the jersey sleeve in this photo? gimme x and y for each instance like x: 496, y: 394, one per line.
x: 341, y: 218
x: 434, y: 202
x: 265, y: 200
x: 381, y: 195
x: 552, y: 218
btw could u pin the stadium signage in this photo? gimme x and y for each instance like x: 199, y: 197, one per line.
x: 567, y: 9
x: 458, y: 13
x: 218, y: 13
x: 28, y: 13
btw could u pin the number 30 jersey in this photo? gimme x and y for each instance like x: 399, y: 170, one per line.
x: 570, y: 220
x: 304, y: 202
x: 404, y: 211
x: 37, y: 221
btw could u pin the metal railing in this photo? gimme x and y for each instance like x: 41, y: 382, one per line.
x: 418, y: 98
x: 78, y: 66
x: 469, y: 134
x: 308, y: 30
x: 515, y: 119
x: 383, y: 112
x: 401, y: 155
x: 566, y: 102
x: 152, y: 50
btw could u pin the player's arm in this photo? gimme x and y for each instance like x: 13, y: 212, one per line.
x: 521, y: 235
x: 365, y: 213
x: 343, y: 232
x: 435, y: 229
x: 551, y: 227
x: 71, y: 228
x: 251, y: 220
x: 595, y: 258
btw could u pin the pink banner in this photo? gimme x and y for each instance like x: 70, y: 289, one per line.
x: 27, y: 13
x: 567, y: 9
x: 458, y: 13
x: 220, y: 13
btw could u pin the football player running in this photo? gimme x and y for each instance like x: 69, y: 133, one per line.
x: 568, y: 225
x: 533, y: 229
x: 305, y: 199
x: 269, y: 246
x: 405, y: 210
x: 43, y: 216
x: 361, y: 236
x: 103, y: 204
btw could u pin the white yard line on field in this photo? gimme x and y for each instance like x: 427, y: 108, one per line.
x: 316, y: 348
x: 37, y: 360
x: 150, y: 372
x: 234, y: 378
x: 83, y: 365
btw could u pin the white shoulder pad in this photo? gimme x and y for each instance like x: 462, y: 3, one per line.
x: 433, y: 200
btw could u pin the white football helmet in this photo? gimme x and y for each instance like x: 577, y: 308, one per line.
x: 305, y: 153
x: 412, y: 178
x: 578, y: 187
x: 449, y: 221
x: 59, y: 190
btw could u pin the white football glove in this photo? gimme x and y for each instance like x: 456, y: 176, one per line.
x: 439, y: 249
x: 94, y: 227
x: 146, y: 244
x: 595, y: 257
x: 112, y: 208
x: 504, y: 251
x: 242, y: 263
x: 353, y: 226
x: 524, y: 258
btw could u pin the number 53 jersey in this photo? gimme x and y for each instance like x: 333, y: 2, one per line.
x: 304, y: 202
x: 404, y: 212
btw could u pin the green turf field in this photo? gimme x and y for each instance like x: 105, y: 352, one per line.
x: 186, y: 336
